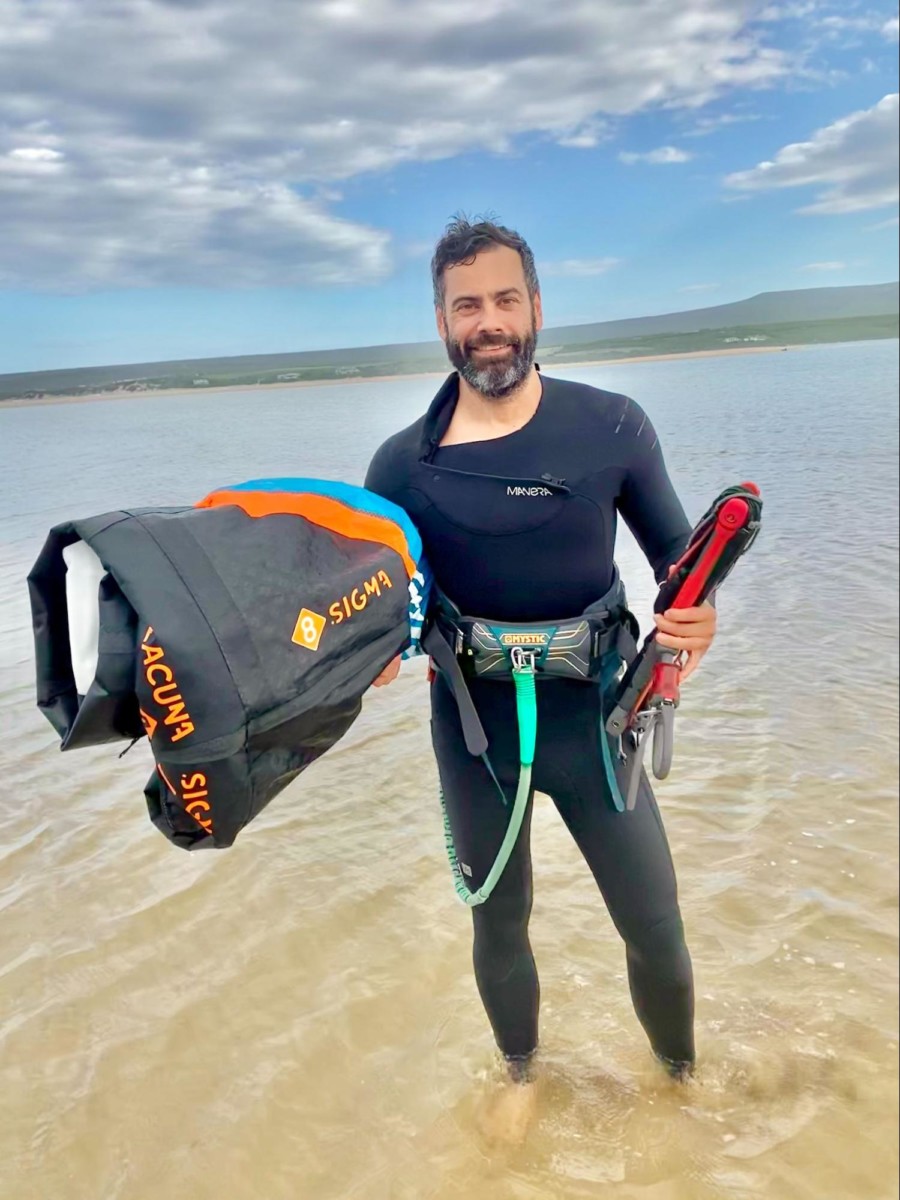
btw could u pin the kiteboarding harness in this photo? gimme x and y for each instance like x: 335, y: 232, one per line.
x: 591, y: 648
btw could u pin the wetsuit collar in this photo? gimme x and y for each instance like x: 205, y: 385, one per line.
x: 439, y: 415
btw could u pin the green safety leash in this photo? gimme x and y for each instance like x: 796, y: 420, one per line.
x: 523, y: 665
x: 526, y: 712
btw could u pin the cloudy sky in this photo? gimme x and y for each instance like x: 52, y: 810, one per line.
x: 181, y: 178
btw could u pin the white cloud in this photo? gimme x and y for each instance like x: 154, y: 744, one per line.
x: 704, y: 126
x: 662, y: 156
x: 863, y: 24
x: 587, y: 136
x: 35, y: 154
x: 868, y: 22
x: 417, y: 250
x: 824, y: 266
x: 788, y: 12
x: 890, y: 223
x: 853, y: 163
x: 828, y: 25
x: 194, y: 228
x: 30, y: 160
x: 701, y: 287
x: 579, y: 268
x: 197, y: 135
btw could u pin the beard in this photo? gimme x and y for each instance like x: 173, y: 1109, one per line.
x: 494, y: 380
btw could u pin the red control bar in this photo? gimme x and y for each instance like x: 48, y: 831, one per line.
x: 732, y: 517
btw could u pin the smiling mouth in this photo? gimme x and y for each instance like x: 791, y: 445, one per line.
x: 492, y: 349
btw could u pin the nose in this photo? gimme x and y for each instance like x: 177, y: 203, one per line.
x: 490, y: 318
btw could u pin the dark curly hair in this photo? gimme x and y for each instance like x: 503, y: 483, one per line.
x: 463, y: 239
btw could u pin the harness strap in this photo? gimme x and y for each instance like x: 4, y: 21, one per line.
x: 614, y: 644
x: 435, y: 645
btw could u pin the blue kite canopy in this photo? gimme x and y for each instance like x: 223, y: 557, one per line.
x: 238, y: 634
x: 362, y: 502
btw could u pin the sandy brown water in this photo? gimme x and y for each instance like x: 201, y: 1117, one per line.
x: 296, y: 1017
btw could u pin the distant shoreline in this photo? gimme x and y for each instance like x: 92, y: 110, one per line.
x: 124, y: 394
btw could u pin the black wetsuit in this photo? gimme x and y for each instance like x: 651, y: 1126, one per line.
x: 522, y: 528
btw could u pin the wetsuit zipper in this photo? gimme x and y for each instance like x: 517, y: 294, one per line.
x: 546, y: 481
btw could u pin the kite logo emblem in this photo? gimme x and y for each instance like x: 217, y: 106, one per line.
x: 524, y: 639
x: 343, y: 609
x: 308, y: 630
x: 149, y: 723
x: 164, y: 688
x: 192, y: 795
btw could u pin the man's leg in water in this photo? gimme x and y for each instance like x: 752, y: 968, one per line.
x: 629, y: 856
x: 627, y: 853
x: 505, y: 971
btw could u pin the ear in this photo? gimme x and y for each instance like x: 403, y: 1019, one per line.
x: 538, y: 312
x: 441, y: 319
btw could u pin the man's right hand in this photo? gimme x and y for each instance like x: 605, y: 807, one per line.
x: 389, y: 674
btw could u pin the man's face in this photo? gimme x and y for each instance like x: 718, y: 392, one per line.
x: 489, y: 323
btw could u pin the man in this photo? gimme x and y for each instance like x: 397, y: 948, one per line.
x: 515, y: 482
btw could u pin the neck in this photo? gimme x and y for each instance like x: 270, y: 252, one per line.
x: 500, y: 415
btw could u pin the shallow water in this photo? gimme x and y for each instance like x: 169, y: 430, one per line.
x: 297, y: 1018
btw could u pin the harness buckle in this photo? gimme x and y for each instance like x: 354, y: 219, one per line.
x: 522, y: 659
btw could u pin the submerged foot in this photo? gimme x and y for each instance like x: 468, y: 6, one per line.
x: 509, y: 1113
x: 681, y: 1070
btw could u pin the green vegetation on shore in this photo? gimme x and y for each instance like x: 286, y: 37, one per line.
x: 794, y: 333
x: 634, y: 338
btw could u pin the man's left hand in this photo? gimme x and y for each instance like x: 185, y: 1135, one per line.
x: 688, y: 630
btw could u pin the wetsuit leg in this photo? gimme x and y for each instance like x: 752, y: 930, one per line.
x: 629, y: 857
x: 504, y: 965
x: 627, y: 853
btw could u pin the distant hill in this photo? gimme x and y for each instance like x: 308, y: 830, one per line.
x: 768, y: 308
x: 791, y: 317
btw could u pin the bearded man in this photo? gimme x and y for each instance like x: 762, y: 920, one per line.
x: 516, y: 482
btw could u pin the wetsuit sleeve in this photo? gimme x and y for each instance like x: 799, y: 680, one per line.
x: 377, y: 474
x: 382, y: 476
x: 649, y: 505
